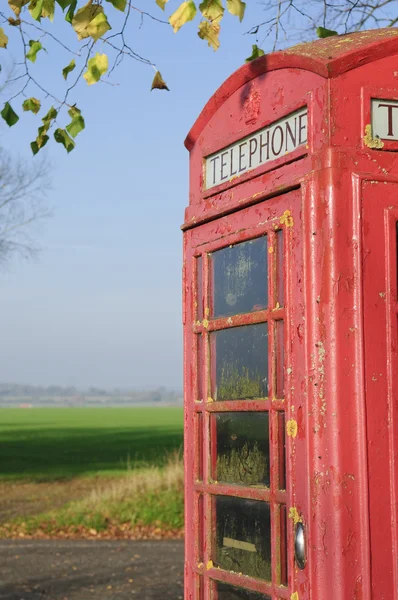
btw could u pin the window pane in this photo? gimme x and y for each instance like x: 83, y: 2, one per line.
x: 242, y: 448
x: 280, y: 359
x: 283, y: 546
x: 200, y: 367
x: 199, y: 433
x: 230, y: 592
x: 199, y: 289
x: 243, y: 536
x: 280, y: 283
x: 240, y: 278
x: 241, y: 362
x: 282, y: 450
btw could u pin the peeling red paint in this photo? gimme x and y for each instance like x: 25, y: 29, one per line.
x: 336, y: 201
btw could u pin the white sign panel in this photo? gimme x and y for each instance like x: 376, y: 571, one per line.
x: 385, y: 119
x: 276, y: 140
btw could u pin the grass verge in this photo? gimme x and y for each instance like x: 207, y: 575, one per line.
x: 143, y: 504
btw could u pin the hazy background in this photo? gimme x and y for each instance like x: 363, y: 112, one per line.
x: 102, y: 305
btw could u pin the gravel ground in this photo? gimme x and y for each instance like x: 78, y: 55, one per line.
x: 80, y: 570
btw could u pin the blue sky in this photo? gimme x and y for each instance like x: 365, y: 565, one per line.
x: 102, y: 304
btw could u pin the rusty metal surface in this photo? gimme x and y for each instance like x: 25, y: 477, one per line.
x: 341, y: 364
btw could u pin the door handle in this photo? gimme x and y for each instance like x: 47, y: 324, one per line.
x: 299, y: 545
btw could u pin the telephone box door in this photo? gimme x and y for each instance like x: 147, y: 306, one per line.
x: 246, y: 481
x: 380, y: 248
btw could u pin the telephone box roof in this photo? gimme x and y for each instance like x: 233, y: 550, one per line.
x: 329, y: 57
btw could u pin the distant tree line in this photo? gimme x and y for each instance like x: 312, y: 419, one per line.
x: 16, y: 394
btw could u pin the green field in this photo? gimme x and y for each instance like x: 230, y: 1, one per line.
x: 55, y: 443
x: 108, y: 472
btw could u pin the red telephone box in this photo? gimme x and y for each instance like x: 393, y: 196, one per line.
x: 290, y: 316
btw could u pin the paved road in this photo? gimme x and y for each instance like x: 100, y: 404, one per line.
x: 81, y: 570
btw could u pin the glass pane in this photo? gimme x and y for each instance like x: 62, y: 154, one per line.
x: 199, y: 290
x: 200, y: 524
x: 230, y: 592
x: 199, y: 433
x: 283, y: 526
x: 200, y: 367
x: 280, y: 359
x: 240, y: 278
x: 282, y: 450
x: 280, y: 284
x: 242, y: 448
x: 241, y: 362
x: 243, y: 536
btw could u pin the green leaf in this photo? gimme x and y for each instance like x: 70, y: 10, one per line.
x: 63, y: 138
x: 35, y: 46
x: 324, y: 33
x: 3, y: 39
x: 48, y: 9
x: 77, y: 124
x: 69, y: 68
x: 158, y: 82
x: 17, y: 5
x: 184, y: 13
x: 71, y: 12
x: 236, y: 8
x: 162, y: 3
x: 96, y: 67
x: 256, y: 53
x: 119, y: 4
x: 98, y: 26
x: 9, y: 115
x: 90, y: 21
x: 212, y: 10
x: 42, y: 137
x: 210, y: 32
x: 37, y: 146
x: 50, y: 116
x: 64, y: 3
x: 36, y: 8
x: 32, y: 104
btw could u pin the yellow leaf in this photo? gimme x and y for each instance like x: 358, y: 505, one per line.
x: 96, y: 67
x: 16, y: 6
x: 184, y: 13
x: 212, y: 9
x: 210, y: 32
x: 237, y: 8
x: 3, y: 39
x: 162, y: 3
x: 158, y: 82
x: 48, y: 9
x: 90, y: 21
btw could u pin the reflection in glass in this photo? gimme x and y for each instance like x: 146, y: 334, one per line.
x: 243, y: 536
x: 242, y: 448
x: 241, y: 362
x: 230, y: 592
x: 240, y: 278
x: 280, y: 287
